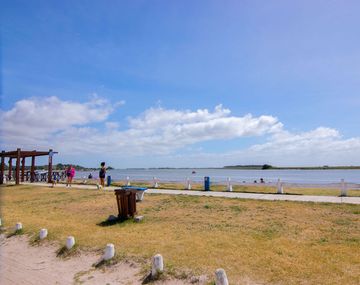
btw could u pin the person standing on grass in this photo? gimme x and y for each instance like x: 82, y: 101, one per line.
x: 102, y: 174
x: 70, y: 173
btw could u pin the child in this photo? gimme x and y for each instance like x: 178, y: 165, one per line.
x: 102, y: 174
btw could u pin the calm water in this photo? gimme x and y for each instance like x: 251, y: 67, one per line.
x: 237, y: 176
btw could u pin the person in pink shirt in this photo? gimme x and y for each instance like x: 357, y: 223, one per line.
x: 70, y: 173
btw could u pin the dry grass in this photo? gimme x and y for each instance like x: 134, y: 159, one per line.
x: 265, y: 242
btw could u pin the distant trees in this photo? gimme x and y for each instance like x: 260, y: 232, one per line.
x: 266, y: 166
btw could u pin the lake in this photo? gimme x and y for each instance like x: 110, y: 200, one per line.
x: 236, y: 175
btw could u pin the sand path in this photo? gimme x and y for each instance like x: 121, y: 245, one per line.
x: 21, y: 263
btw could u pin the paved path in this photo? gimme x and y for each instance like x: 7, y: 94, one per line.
x: 255, y: 196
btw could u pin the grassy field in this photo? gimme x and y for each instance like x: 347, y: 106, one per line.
x: 260, y: 242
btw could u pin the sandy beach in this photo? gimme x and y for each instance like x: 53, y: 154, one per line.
x: 22, y: 263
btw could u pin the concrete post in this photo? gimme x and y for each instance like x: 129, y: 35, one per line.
x: 343, y: 188
x: 109, y: 251
x: 43, y: 233
x: 157, y: 265
x: 280, y: 188
x: 229, y: 185
x: 188, y: 184
x: 221, y: 278
x: 70, y: 242
x: 155, y: 184
x: 18, y: 226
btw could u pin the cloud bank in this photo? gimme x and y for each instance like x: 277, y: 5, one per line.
x: 87, y: 128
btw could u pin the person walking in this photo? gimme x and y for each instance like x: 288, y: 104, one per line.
x: 102, y: 174
x: 70, y: 173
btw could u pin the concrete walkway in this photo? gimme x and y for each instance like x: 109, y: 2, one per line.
x: 255, y: 196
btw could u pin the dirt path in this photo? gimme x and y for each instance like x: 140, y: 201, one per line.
x: 21, y: 263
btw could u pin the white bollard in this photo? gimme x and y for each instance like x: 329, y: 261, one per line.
x: 18, y: 226
x: 229, y: 185
x: 0, y: 223
x: 109, y: 251
x: 280, y: 188
x: 188, y: 184
x: 70, y: 242
x: 343, y: 188
x: 43, y: 233
x: 155, y: 184
x: 127, y: 181
x: 221, y: 278
x: 157, y: 265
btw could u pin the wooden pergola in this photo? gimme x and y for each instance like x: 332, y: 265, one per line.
x: 21, y: 155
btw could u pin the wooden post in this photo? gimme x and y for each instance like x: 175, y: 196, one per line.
x: 10, y: 168
x: 2, y: 168
x: 32, y: 169
x: 23, y: 169
x: 50, y: 166
x: 17, y: 171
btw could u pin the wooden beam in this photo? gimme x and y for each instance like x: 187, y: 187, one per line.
x: 50, y: 166
x: 2, y: 168
x: 8, y: 153
x: 13, y: 154
x: 10, y: 168
x: 17, y: 171
x: 32, y: 169
x: 22, y: 169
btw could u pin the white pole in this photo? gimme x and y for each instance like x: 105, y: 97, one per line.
x: 229, y: 185
x: 188, y: 184
x: 43, y: 233
x: 157, y: 265
x: 221, y: 278
x: 109, y: 251
x: 280, y: 188
x: 0, y: 222
x: 343, y: 188
x: 70, y: 242
x: 155, y: 184
x: 127, y: 181
x: 18, y: 226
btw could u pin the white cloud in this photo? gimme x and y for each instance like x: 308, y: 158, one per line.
x: 322, y: 146
x: 180, y: 128
x: 67, y: 127
x: 39, y: 118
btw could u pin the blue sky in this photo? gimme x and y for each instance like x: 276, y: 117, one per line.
x: 295, y: 62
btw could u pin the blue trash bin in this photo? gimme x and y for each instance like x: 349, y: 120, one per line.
x: 207, y: 183
x: 108, y: 180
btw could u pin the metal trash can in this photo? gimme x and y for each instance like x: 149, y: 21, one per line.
x: 207, y: 183
x: 108, y: 183
x: 126, y: 202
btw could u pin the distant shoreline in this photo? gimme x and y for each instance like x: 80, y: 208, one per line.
x: 296, y: 168
x: 59, y: 167
x: 253, y: 168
